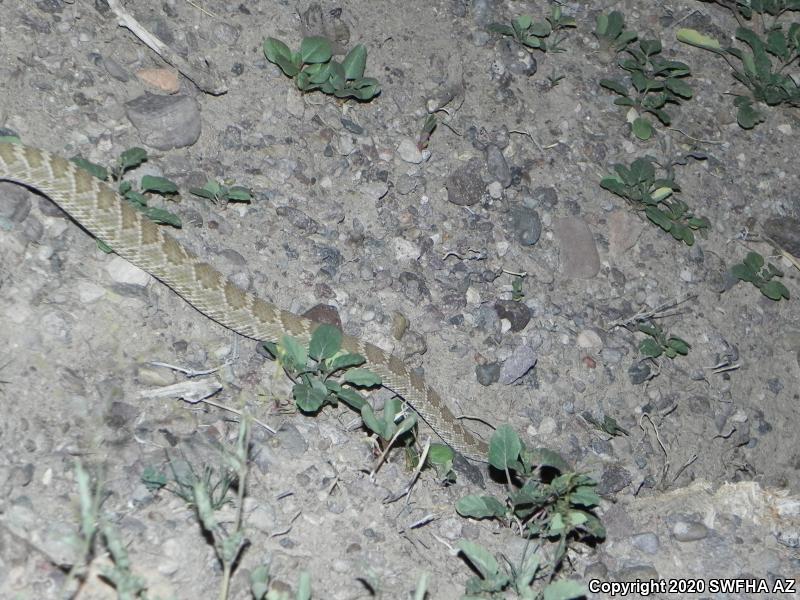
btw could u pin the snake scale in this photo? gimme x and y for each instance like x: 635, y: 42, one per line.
x: 101, y: 211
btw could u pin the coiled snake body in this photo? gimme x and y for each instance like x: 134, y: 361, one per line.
x: 99, y: 209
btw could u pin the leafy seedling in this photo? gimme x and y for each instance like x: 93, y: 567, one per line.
x: 149, y: 184
x: 754, y: 270
x: 637, y: 183
x: 493, y: 578
x: 659, y: 342
x: 654, y: 82
x: 428, y: 127
x: 611, y: 33
x: 545, y: 498
x: 517, y: 294
x: 533, y: 34
x: 760, y: 67
x: 222, y: 193
x: 313, y: 68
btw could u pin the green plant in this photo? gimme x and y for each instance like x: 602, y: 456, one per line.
x: 95, y: 527
x: 611, y: 33
x: 532, y: 34
x: 517, y: 294
x: 127, y: 160
x: 545, y: 499
x: 638, y: 185
x: 655, y: 82
x: 222, y: 193
x: 753, y: 269
x: 763, y: 76
x: 184, y: 480
x: 313, y: 68
x: 428, y: 127
x: 493, y: 579
x: 659, y: 342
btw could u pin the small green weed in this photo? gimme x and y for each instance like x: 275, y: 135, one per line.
x: 611, y: 33
x: 761, y: 63
x: 656, y: 81
x: 428, y: 127
x: 313, y: 68
x: 127, y: 160
x: 546, y: 499
x: 222, y: 193
x: 753, y: 269
x: 533, y: 34
x: 638, y: 185
x: 94, y: 527
x: 659, y: 342
x: 493, y: 579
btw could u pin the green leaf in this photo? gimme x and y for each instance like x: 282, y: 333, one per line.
x: 274, y: 48
x: 98, y: 171
x: 238, y: 194
x: 288, y: 65
x: 650, y: 348
x: 564, y: 589
x: 661, y: 193
x: 680, y: 346
x: 161, y: 185
x: 440, y: 454
x: 315, y: 49
x: 642, y: 128
x: 371, y: 421
x: 355, y: 62
x: 161, y: 216
x: 521, y: 23
x: 480, y: 507
x: 325, y: 342
x: 291, y: 354
x: 480, y: 558
x: 777, y: 44
x: 351, y: 397
x: 612, y: 184
x: 544, y: 457
x: 679, y: 87
x: 650, y: 47
x: 541, y: 29
x: 743, y: 272
x: 584, y: 496
x: 747, y: 116
x: 303, y: 587
x: 754, y: 260
x: 132, y: 157
x: 614, y: 86
x: 695, y: 38
x: 658, y: 217
x: 774, y: 290
x: 309, y: 398
x: 343, y: 360
x: 504, y: 447
x: 362, y: 378
x: 501, y: 28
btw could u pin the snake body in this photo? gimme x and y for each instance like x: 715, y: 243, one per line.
x: 101, y: 211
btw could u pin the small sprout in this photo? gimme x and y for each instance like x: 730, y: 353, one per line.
x: 428, y: 127
x: 516, y: 288
x: 661, y: 343
x: 533, y: 34
x: 655, y: 81
x: 638, y: 185
x: 313, y: 68
x: 611, y: 33
x: 761, y: 275
x: 222, y: 193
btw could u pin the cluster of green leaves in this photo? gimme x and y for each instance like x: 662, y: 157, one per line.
x: 533, y: 34
x: 611, y: 33
x: 761, y: 69
x: 322, y: 372
x: 493, y: 578
x: 183, y: 480
x: 130, y: 159
x: 638, y: 185
x: 222, y: 193
x: 659, y: 342
x: 313, y: 68
x: 753, y: 269
x: 654, y: 82
x: 546, y: 499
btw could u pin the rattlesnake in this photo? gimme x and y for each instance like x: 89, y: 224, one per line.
x: 99, y: 209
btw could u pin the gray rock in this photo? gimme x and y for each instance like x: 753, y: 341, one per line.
x: 525, y: 225
x: 579, y: 257
x: 16, y: 203
x: 465, y: 186
x: 165, y: 122
x: 517, y: 313
x: 636, y: 573
x: 522, y: 360
x: 639, y: 372
x: 614, y: 479
x: 487, y: 374
x: 689, y: 531
x: 647, y: 542
x: 497, y: 165
x: 114, y: 69
x: 785, y: 231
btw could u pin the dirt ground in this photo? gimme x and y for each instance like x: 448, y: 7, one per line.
x: 348, y: 213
